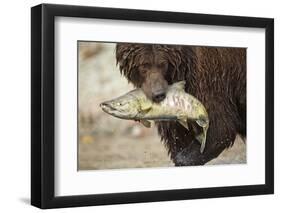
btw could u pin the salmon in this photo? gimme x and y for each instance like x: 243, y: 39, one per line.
x: 178, y: 105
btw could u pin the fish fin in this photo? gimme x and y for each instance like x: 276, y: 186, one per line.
x: 179, y: 85
x: 146, y: 106
x: 146, y: 123
x: 202, y: 122
x: 184, y: 123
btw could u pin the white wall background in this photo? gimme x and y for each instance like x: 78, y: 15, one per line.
x: 15, y: 105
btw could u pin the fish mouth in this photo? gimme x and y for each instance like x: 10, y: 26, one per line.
x: 107, y: 107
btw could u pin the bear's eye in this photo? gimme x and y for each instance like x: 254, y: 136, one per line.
x: 143, y: 69
x: 162, y: 65
x: 145, y: 66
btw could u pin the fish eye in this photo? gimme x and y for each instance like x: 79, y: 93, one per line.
x: 119, y: 104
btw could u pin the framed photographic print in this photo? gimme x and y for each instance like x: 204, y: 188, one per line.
x: 140, y: 106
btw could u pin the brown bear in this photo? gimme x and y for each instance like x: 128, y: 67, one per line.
x: 214, y: 75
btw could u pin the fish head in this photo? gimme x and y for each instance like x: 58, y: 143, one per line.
x: 126, y: 106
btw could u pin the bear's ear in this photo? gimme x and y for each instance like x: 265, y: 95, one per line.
x: 120, y: 52
x: 124, y: 57
x: 175, y: 60
x: 123, y: 51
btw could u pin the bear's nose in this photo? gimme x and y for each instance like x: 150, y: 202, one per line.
x: 158, y: 96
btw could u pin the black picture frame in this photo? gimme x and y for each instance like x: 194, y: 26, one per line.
x: 43, y: 102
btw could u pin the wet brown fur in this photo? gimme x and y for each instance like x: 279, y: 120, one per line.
x: 216, y: 76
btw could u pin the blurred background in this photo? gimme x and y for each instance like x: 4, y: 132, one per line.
x: 106, y: 142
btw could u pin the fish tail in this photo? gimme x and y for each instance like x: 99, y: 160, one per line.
x: 202, y: 140
x: 202, y: 146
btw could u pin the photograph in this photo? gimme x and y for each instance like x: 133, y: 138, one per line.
x: 143, y: 105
